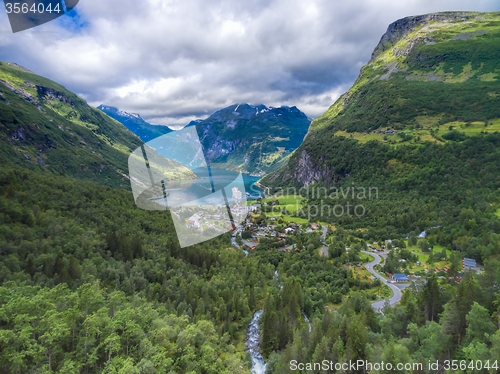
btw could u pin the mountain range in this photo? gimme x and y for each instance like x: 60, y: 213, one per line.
x: 250, y: 138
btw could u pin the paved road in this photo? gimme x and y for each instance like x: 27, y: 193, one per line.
x: 233, y: 239
x: 324, y: 250
x: 396, y: 292
x: 324, y: 229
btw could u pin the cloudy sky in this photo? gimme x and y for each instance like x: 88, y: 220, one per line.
x: 176, y: 60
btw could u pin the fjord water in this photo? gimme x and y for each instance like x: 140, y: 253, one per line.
x: 201, y: 189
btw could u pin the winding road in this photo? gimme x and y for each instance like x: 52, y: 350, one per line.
x: 233, y: 239
x: 324, y: 229
x: 396, y: 292
x: 377, y: 305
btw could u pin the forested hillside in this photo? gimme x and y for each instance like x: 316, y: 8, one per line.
x: 421, y: 126
x: 43, y: 126
x: 103, y: 284
x: 145, y: 131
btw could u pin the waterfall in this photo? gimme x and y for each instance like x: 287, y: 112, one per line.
x: 307, y: 321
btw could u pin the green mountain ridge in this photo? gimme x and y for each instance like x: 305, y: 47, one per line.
x: 43, y: 126
x: 428, y: 76
x: 144, y: 130
x: 421, y: 125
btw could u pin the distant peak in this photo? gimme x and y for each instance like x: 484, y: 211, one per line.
x: 112, y: 109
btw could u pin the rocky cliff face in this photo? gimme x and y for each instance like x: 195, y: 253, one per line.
x: 398, y: 29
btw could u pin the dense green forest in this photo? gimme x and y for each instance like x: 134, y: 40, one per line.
x: 434, y: 322
x: 452, y: 188
x: 98, y: 261
x: 106, y: 258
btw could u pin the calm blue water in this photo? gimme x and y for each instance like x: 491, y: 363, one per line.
x: 201, y: 189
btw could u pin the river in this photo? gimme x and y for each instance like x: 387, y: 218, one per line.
x: 253, y: 345
x: 253, y: 338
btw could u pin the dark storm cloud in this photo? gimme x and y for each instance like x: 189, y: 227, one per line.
x: 173, y: 61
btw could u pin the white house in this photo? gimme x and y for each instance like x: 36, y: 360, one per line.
x: 194, y: 221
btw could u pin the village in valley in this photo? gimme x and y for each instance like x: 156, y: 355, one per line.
x: 269, y: 224
x: 401, y: 262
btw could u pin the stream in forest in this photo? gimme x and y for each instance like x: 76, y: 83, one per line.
x: 253, y: 345
x: 253, y: 339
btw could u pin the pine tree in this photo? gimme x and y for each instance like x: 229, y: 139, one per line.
x: 30, y: 266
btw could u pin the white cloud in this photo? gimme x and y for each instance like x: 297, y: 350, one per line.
x: 173, y: 61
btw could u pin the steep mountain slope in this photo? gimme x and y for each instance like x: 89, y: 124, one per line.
x: 254, y: 139
x: 430, y: 77
x: 419, y: 129
x: 135, y: 123
x: 43, y: 126
x: 426, y: 71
